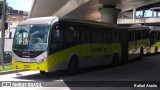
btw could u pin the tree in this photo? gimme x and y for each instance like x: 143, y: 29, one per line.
x: 1, y: 5
x: 8, y: 8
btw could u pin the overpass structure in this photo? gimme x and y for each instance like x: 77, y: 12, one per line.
x: 101, y: 10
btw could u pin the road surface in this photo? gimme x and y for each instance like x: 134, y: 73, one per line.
x: 147, y: 69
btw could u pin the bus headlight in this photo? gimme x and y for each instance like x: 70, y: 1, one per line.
x: 41, y: 60
x: 14, y: 59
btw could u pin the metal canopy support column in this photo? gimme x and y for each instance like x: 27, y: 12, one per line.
x: 134, y: 15
x: 109, y: 14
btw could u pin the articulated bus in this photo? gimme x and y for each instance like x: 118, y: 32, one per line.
x: 139, y: 40
x: 50, y: 43
x: 155, y: 39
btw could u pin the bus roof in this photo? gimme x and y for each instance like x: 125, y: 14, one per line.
x: 49, y: 20
x: 154, y: 28
x: 139, y: 27
x: 40, y: 20
x: 90, y: 22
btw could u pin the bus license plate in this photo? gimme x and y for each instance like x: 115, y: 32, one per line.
x: 26, y: 66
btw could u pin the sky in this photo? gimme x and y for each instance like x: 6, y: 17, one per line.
x: 24, y: 5
x: 148, y: 13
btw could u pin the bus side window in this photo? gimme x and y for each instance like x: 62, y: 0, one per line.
x: 115, y: 36
x: 97, y: 36
x: 56, y: 37
x: 85, y: 35
x: 76, y: 36
x: 104, y: 37
x: 108, y: 33
x: 152, y: 37
x: 132, y: 36
x: 72, y: 35
x: 158, y: 36
x: 138, y: 35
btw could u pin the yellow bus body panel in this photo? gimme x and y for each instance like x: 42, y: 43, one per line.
x: 66, y: 54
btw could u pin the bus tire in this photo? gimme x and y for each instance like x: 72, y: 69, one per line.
x: 42, y: 72
x: 156, y: 50
x: 141, y: 53
x: 73, y: 65
x: 115, y: 60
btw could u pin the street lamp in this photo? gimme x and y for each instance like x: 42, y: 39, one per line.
x: 3, y: 32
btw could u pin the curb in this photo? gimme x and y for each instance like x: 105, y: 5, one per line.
x: 152, y: 54
x: 10, y: 71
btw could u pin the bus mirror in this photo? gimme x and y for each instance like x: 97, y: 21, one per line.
x: 10, y: 35
x: 57, y: 33
x: 6, y: 25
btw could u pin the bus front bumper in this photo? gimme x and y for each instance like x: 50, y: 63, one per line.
x: 30, y: 65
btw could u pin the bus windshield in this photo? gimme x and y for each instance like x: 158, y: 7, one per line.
x: 31, y: 37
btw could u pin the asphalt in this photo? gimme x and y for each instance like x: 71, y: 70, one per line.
x: 16, y: 71
x: 146, y: 69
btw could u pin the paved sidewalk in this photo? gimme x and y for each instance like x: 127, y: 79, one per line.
x: 10, y: 71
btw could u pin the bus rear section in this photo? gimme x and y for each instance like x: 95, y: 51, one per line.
x: 139, y: 42
x: 155, y: 40
x: 135, y: 42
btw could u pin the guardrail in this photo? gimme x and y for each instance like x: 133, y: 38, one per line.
x: 139, y: 20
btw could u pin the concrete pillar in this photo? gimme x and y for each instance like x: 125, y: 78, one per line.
x: 134, y: 15
x: 122, y: 15
x: 109, y: 14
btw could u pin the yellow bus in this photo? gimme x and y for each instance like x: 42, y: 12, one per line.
x: 51, y: 43
x: 139, y: 40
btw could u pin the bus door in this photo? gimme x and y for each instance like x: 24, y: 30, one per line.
x: 152, y: 37
x: 140, y: 40
x: 132, y: 44
x: 135, y: 38
x: 108, y: 42
x: 115, y: 42
x: 154, y: 41
x: 97, y: 44
x: 86, y: 43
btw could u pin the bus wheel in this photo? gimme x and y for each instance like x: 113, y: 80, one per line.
x: 141, y: 53
x: 42, y: 72
x: 73, y: 66
x: 156, y: 50
x: 115, y: 60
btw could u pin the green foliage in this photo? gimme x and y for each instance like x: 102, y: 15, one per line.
x: 1, y: 5
x: 8, y: 8
x: 7, y: 67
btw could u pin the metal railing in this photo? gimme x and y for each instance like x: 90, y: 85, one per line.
x: 138, y: 20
